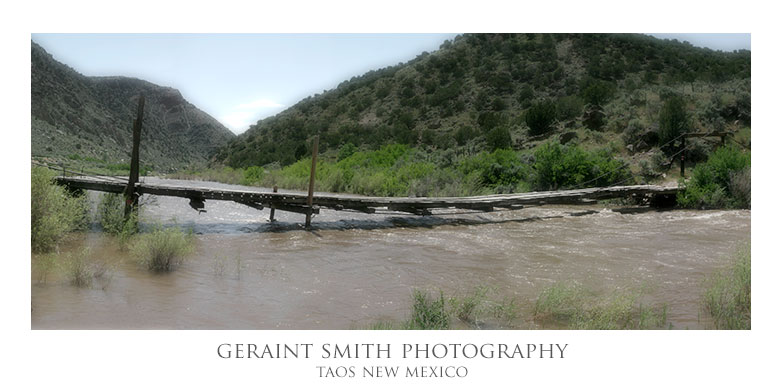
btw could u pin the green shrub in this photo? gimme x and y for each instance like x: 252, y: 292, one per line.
x: 722, y: 181
x: 161, y: 249
x: 739, y: 187
x: 53, y: 211
x: 673, y: 121
x: 252, y: 175
x: 557, y: 166
x: 540, y: 117
x: 525, y: 95
x: 633, y: 131
x: 464, y: 134
x: 569, y: 107
x: 727, y: 296
x: 597, y: 92
x: 111, y: 215
x: 346, y: 151
x: 111, y: 212
x: 499, y: 138
x: 503, y: 167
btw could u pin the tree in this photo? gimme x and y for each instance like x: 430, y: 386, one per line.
x: 540, y: 117
x: 499, y: 138
x: 673, y: 122
x: 597, y: 92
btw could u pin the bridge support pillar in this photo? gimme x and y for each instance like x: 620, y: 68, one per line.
x: 272, y: 208
x: 310, y: 189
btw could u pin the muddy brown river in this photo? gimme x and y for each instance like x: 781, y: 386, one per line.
x: 355, y: 269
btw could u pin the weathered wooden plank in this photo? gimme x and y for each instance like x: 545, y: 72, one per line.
x: 409, y: 209
x: 298, y: 209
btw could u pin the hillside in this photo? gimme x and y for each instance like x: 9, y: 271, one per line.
x: 481, y: 92
x: 87, y: 120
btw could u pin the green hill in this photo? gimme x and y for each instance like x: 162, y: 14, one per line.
x: 481, y: 92
x: 81, y: 120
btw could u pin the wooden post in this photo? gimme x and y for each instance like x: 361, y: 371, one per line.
x: 272, y: 209
x: 682, y: 159
x: 131, y: 199
x: 312, y: 185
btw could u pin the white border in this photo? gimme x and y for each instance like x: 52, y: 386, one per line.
x: 176, y: 360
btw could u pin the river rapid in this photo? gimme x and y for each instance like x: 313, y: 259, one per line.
x: 354, y: 269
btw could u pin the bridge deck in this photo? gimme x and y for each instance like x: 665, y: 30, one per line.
x: 419, y: 205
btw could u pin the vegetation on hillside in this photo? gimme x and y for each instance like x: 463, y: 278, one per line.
x: 540, y: 111
x: 86, y: 121
x: 495, y: 91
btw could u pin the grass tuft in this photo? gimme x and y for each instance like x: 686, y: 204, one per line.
x: 572, y: 306
x: 467, y: 308
x: 429, y: 313
x: 727, y: 296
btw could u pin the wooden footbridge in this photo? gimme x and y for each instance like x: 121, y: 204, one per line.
x: 311, y: 204
x: 300, y: 203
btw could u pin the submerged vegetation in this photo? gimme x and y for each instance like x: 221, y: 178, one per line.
x: 727, y: 296
x: 53, y: 211
x: 162, y: 249
x: 78, y: 268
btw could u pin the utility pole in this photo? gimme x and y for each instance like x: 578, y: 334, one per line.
x: 682, y: 158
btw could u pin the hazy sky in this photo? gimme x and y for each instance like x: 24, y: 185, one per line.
x: 241, y: 78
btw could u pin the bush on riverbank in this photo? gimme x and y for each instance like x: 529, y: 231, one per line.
x: 721, y: 182
x: 558, y: 167
x: 53, y: 211
x: 162, y: 249
x: 727, y: 297
x: 572, y: 306
x: 111, y: 215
